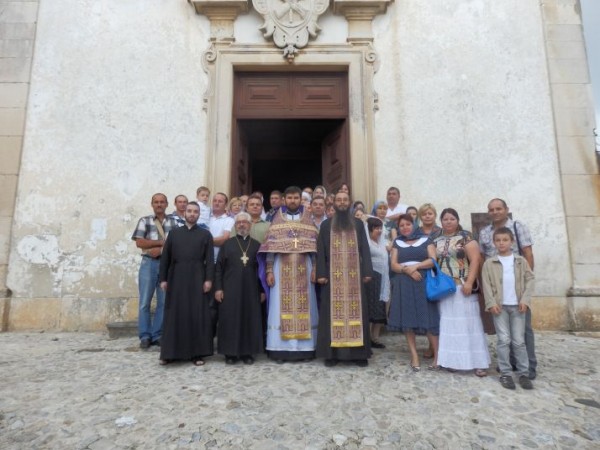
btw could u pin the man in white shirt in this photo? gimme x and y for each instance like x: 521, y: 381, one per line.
x: 220, y: 224
x: 395, y: 208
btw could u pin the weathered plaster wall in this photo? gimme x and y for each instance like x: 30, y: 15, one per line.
x: 471, y: 118
x: 114, y: 114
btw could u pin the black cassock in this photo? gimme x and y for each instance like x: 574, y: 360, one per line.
x: 240, y: 331
x: 324, y: 349
x: 187, y: 261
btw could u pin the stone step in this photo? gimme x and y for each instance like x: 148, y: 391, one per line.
x: 118, y: 330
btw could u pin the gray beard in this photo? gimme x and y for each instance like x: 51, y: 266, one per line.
x: 342, y: 220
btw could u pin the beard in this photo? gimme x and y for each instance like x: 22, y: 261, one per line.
x: 342, y: 220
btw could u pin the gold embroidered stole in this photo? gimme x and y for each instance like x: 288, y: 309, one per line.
x: 294, y: 300
x: 345, y: 284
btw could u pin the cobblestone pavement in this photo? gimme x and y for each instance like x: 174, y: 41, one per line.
x: 82, y: 390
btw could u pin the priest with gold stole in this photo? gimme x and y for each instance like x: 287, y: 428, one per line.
x: 290, y: 249
x: 343, y: 266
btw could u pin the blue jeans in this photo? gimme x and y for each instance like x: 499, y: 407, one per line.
x: 510, y: 331
x: 150, y: 328
x: 530, y: 345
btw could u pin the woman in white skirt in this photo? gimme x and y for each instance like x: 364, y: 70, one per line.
x: 463, y: 345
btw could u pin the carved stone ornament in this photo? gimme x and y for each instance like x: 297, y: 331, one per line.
x: 290, y: 22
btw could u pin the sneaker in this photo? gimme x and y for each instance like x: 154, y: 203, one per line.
x: 525, y: 382
x: 145, y: 344
x: 532, y: 374
x: 507, y: 382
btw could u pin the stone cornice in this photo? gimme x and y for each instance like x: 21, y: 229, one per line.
x: 222, y: 14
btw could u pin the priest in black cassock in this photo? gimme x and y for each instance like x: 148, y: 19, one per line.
x: 238, y: 293
x: 186, y: 273
x: 343, y: 266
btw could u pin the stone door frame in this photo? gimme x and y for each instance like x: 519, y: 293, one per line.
x: 222, y: 60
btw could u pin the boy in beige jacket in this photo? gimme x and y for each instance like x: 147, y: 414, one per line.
x: 507, y: 288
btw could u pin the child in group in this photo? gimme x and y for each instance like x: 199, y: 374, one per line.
x: 203, y: 195
x: 507, y: 287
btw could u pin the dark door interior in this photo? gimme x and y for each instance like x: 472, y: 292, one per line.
x: 286, y: 152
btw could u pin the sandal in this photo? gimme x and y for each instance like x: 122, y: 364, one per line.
x: 198, y: 362
x: 435, y: 368
x: 481, y: 373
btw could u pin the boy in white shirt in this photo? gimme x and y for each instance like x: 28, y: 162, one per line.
x: 507, y: 288
x: 203, y: 195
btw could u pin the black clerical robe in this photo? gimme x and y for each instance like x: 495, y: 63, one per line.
x: 187, y: 261
x: 365, y: 269
x: 240, y: 331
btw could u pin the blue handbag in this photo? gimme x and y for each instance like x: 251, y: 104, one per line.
x: 437, y: 284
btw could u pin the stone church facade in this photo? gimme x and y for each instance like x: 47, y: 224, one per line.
x: 455, y: 102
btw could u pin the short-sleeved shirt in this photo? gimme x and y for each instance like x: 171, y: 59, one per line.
x: 399, y: 209
x: 204, y: 217
x: 451, y: 254
x: 146, y: 228
x: 486, y: 238
x: 180, y: 221
x: 218, y: 226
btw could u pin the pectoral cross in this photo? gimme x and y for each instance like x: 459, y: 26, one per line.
x: 296, y: 242
x: 244, y: 258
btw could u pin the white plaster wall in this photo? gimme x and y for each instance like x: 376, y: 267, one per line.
x: 470, y: 118
x: 114, y: 114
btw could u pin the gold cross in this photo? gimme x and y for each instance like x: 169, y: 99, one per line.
x: 244, y: 259
x: 296, y: 242
x: 337, y: 273
x: 352, y: 273
x: 336, y: 243
x: 351, y: 242
x: 301, y: 269
x: 287, y: 269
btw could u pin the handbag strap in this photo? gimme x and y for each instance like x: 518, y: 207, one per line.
x: 435, y: 266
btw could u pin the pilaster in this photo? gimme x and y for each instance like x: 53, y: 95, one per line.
x: 580, y: 177
x: 222, y: 14
x: 360, y: 15
x: 17, y: 38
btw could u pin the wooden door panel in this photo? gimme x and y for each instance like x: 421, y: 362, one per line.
x: 319, y: 96
x: 240, y: 180
x: 291, y: 95
x: 336, y: 164
x: 260, y: 96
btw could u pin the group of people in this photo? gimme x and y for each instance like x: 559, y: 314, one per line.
x: 317, y: 276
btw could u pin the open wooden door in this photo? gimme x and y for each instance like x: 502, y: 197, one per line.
x: 240, y: 180
x: 336, y: 165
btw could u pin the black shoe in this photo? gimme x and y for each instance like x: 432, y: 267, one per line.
x: 230, y: 360
x: 376, y: 344
x: 532, y: 375
x: 331, y: 362
x: 507, y: 382
x: 156, y: 342
x: 145, y: 344
x: 248, y: 360
x: 361, y: 362
x: 525, y: 382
